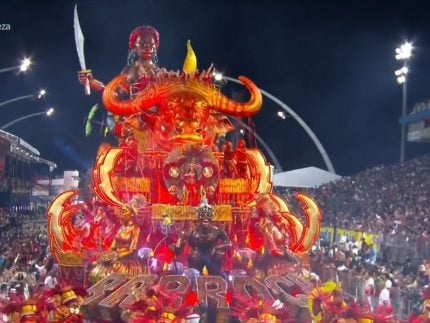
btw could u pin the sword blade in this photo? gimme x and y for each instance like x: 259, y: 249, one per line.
x: 79, y: 39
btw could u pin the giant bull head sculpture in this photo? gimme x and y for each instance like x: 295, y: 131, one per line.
x: 189, y: 109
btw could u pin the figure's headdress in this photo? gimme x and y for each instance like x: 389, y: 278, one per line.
x: 140, y: 31
x: 29, y: 311
x: 68, y: 294
x: 204, y: 209
x: 143, y: 30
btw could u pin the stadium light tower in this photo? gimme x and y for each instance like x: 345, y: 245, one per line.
x: 34, y: 96
x: 403, y: 53
x: 24, y: 66
x: 48, y: 113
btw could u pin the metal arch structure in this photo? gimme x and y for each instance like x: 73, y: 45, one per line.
x: 272, y: 155
x: 303, y: 124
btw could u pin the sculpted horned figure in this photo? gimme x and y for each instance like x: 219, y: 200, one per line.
x: 189, y: 109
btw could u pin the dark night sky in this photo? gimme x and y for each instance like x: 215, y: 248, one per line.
x: 330, y: 61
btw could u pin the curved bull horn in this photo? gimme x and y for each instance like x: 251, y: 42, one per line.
x: 313, y: 218
x: 152, y: 95
x: 155, y: 92
x: 110, y: 97
x: 223, y: 104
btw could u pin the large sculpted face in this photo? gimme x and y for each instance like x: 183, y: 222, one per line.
x: 205, y: 215
x: 188, y: 121
x: 183, y: 120
x: 145, y: 46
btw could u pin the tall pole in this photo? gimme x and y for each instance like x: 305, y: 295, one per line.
x: 23, y: 67
x: 334, y: 244
x: 17, y: 99
x: 7, y: 125
x: 403, y: 53
x: 9, y: 69
x: 403, y: 132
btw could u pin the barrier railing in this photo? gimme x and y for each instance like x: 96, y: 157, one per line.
x: 354, y: 286
x: 394, y: 248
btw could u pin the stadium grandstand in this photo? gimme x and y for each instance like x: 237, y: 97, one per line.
x: 20, y: 163
x: 418, y: 122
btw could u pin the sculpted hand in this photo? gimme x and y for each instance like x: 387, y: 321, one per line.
x: 85, y: 76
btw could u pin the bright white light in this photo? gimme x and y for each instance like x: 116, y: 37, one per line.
x: 242, y: 131
x: 217, y: 76
x: 25, y: 64
x: 41, y: 94
x: 282, y: 115
x: 50, y: 112
x: 401, y: 74
x: 401, y: 79
x: 404, y: 51
x: 407, y: 48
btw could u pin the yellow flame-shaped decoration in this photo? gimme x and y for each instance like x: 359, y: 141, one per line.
x: 205, y: 271
x: 190, y: 62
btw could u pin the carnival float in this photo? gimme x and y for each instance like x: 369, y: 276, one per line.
x: 182, y: 224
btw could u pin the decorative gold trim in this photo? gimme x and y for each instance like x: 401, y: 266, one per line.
x: 237, y: 185
x: 131, y: 184
x: 70, y: 258
x: 188, y: 213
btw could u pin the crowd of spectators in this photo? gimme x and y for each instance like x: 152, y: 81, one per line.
x: 387, y: 199
x: 10, y: 218
x: 15, y: 185
x: 392, y: 201
x: 25, y: 260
